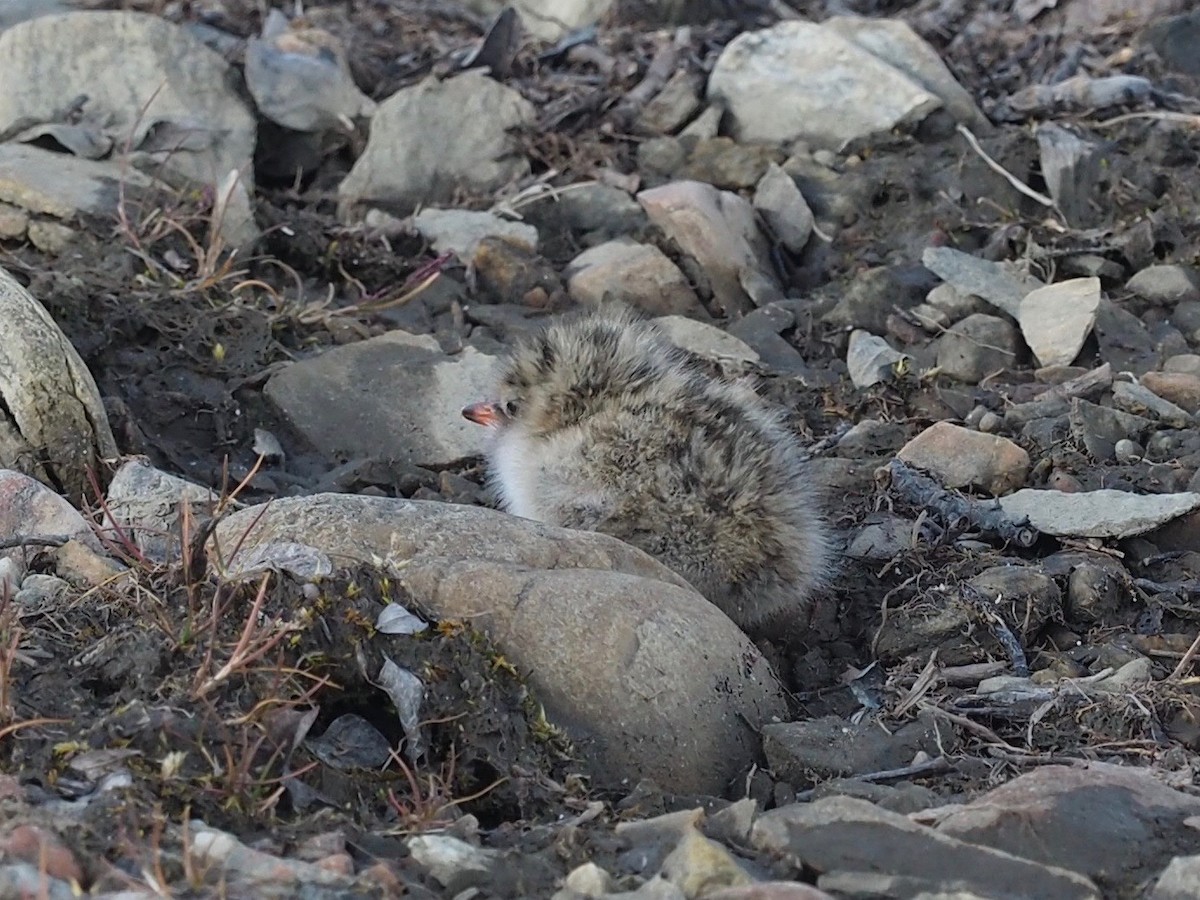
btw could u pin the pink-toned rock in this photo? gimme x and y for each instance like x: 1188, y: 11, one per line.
x: 43, y: 849
x: 959, y: 457
x: 28, y: 507
x: 639, y: 274
x: 717, y: 229
x: 1181, y: 388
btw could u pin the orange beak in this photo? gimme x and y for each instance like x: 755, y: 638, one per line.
x: 489, y: 414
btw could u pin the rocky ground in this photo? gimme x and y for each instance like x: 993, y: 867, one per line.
x: 272, y: 643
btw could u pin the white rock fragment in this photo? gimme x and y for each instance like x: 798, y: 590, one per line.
x: 1103, y: 514
x: 1056, y: 319
x: 871, y: 359
x: 147, y: 84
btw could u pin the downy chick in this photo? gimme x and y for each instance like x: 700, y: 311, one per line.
x: 602, y: 424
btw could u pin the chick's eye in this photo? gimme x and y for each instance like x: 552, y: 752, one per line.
x: 510, y: 408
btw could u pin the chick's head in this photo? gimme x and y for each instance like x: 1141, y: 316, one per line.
x: 577, y: 368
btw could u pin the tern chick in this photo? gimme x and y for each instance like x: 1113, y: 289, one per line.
x: 602, y: 424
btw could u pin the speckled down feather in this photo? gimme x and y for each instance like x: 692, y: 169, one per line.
x: 606, y: 426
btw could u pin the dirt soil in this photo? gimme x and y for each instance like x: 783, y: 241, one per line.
x: 182, y: 356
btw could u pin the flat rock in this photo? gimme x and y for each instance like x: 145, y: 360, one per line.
x: 1166, y: 284
x: 1115, y: 824
x: 1138, y: 399
x: 437, y: 138
x: 761, y: 330
x: 707, y: 341
x: 998, y: 284
x: 147, y: 83
x: 459, y: 231
x: 63, y: 186
x: 651, y: 679
x: 638, y: 274
x: 801, y: 81
x: 959, y: 457
x: 978, y: 346
x: 1056, y: 319
x: 396, y: 395
x: 845, y: 835
x: 1103, y: 514
x: 831, y: 747
x: 783, y: 207
x: 717, y: 230
x: 1179, y: 388
x: 871, y: 359
x: 53, y: 426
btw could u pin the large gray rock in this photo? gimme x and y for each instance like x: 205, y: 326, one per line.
x: 437, y: 138
x: 895, y: 43
x: 56, y: 184
x: 801, y: 81
x: 146, y: 82
x: 397, y: 395
x: 845, y: 835
x: 52, y: 421
x: 1115, y: 824
x: 653, y: 679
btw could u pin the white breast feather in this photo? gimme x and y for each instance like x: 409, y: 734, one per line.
x: 513, y: 475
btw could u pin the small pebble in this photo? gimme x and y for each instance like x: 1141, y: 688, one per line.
x: 1128, y: 451
x: 1063, y: 481
x: 975, y: 416
x: 989, y: 422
